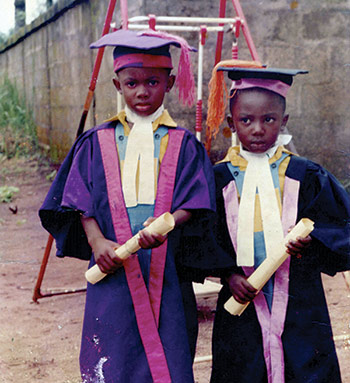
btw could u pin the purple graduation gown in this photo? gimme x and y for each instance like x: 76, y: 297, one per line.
x: 112, y: 349
x: 306, y: 336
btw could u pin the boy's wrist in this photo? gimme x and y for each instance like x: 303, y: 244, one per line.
x: 228, y: 273
x: 93, y: 240
x: 181, y: 216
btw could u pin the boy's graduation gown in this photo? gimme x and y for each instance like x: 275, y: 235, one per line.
x: 309, y: 352
x: 111, y: 343
x: 285, y: 334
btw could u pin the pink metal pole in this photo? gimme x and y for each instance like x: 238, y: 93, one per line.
x: 245, y: 30
x: 124, y: 12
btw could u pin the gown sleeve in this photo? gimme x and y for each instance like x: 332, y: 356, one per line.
x: 194, y: 191
x: 194, y: 184
x: 324, y: 200
x: 68, y: 198
x: 203, y: 254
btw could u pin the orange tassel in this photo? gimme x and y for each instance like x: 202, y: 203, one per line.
x: 219, y: 95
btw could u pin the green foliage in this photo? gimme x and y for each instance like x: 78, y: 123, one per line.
x: 3, y: 38
x: 51, y: 176
x: 346, y: 184
x: 17, y: 127
x: 7, y: 193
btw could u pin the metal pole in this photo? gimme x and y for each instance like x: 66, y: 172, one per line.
x: 220, y: 38
x: 177, y: 19
x: 179, y: 28
x: 245, y: 30
x: 199, y: 106
x: 37, y: 294
x: 96, y: 69
x: 124, y: 12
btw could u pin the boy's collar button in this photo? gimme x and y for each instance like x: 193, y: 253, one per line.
x: 236, y: 173
x: 157, y: 136
x: 121, y: 138
x: 273, y: 166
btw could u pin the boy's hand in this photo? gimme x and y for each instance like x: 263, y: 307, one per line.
x: 296, y: 248
x: 149, y: 241
x: 241, y: 289
x: 104, y: 254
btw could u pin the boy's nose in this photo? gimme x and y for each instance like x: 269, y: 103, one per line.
x: 258, y: 128
x: 142, y: 91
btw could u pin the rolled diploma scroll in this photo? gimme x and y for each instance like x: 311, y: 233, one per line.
x: 265, y: 271
x: 162, y: 225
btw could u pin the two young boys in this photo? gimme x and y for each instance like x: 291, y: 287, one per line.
x: 134, y: 167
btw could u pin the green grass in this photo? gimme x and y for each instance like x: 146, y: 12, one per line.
x: 7, y: 193
x: 17, y: 127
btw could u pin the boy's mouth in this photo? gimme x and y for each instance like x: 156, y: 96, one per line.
x: 258, y: 146
x: 142, y: 107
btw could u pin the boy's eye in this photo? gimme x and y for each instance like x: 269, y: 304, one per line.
x: 245, y: 120
x: 269, y: 119
x: 152, y: 82
x: 130, y: 84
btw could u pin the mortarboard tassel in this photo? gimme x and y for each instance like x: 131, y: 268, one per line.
x: 218, y: 94
x: 184, y: 79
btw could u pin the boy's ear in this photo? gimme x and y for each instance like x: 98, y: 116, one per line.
x: 285, y: 120
x: 170, y: 83
x: 231, y: 124
x: 116, y: 83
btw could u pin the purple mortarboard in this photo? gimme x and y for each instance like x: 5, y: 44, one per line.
x: 150, y: 49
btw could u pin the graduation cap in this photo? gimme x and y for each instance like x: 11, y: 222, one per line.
x: 274, y: 79
x: 150, y: 49
x: 244, y: 75
x: 284, y: 75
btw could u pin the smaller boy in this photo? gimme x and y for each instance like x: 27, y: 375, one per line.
x: 263, y: 190
x: 116, y: 179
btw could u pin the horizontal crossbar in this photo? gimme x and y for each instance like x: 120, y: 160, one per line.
x: 188, y: 20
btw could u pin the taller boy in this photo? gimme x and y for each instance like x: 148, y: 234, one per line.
x: 117, y: 177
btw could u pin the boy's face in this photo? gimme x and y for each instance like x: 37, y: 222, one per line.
x: 144, y: 88
x: 257, y: 117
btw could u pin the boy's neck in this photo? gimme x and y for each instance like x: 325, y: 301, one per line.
x: 133, y: 116
x: 282, y: 139
x: 269, y: 153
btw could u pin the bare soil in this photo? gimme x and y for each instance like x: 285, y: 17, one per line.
x: 40, y: 341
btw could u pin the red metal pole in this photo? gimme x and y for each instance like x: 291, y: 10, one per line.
x: 152, y: 22
x: 199, y: 106
x: 220, y: 38
x: 96, y: 69
x: 37, y: 294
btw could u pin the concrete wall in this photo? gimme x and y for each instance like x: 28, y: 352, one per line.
x: 51, y: 62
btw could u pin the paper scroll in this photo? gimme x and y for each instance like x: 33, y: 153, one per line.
x: 162, y: 225
x: 265, y: 271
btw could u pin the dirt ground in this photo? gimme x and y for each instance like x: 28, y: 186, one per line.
x: 40, y: 341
